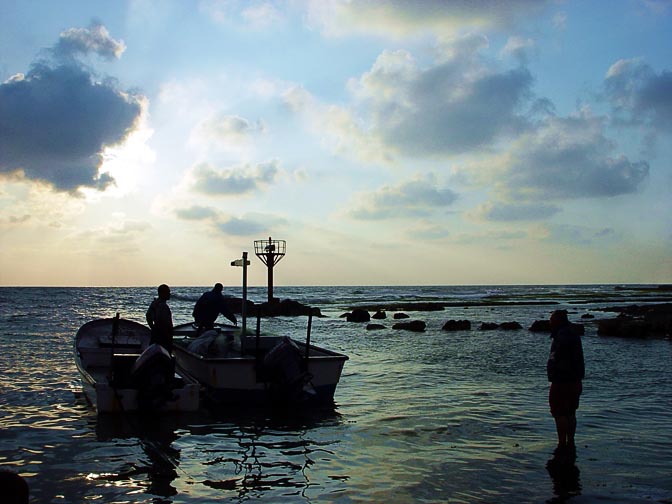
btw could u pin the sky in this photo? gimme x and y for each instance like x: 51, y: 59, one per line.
x: 388, y: 142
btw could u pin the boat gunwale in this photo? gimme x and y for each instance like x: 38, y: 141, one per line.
x: 183, y: 334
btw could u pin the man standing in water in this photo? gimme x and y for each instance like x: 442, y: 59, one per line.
x: 160, y: 319
x: 565, y: 369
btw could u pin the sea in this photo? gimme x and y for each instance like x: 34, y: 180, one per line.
x: 430, y: 417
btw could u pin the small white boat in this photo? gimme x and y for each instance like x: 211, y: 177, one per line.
x: 122, y: 372
x: 257, y: 370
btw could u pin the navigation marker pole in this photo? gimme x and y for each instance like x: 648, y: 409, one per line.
x: 243, y: 310
x: 270, y: 252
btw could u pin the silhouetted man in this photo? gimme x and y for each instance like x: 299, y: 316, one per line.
x: 209, y: 306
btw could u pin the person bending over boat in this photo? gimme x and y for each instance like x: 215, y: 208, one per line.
x: 209, y: 306
x: 565, y: 369
x: 160, y: 319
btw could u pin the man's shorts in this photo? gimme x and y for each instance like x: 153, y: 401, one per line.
x: 563, y: 398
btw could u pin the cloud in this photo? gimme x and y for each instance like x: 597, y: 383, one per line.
x: 340, y: 130
x: 226, y: 132
x: 563, y: 159
x: 196, y: 213
x: 501, y: 211
x: 427, y: 231
x: 489, y: 237
x: 414, y: 198
x: 401, y: 18
x: 242, y: 227
x: 578, y: 235
x: 519, y: 48
x: 56, y: 122
x: 639, y: 95
x: 224, y: 126
x: 253, y: 14
x: 236, y: 181
x: 96, y: 39
x: 454, y: 106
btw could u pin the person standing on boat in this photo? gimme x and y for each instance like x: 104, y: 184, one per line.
x: 566, y: 370
x: 160, y: 319
x: 209, y: 306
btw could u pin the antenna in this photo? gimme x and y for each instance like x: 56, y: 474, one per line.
x: 270, y: 252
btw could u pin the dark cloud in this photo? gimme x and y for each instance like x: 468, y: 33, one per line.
x: 410, y: 199
x: 568, y: 158
x: 56, y: 122
x: 95, y: 39
x: 451, y: 126
x: 208, y: 180
x: 455, y: 106
x: 639, y: 95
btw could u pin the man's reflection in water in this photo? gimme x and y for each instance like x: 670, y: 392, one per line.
x: 566, y: 479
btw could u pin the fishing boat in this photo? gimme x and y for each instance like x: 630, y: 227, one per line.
x: 122, y: 372
x: 236, y: 367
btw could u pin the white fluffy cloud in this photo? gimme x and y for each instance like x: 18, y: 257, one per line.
x: 82, y: 41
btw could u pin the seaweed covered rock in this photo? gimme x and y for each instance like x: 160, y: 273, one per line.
x: 358, y: 315
x: 286, y: 307
x: 400, y: 315
x: 510, y: 326
x: 379, y: 315
x: 457, y: 325
x: 623, y: 327
x: 374, y: 327
x: 540, y: 326
x: 413, y: 325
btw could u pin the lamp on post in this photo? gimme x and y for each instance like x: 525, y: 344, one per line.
x: 270, y: 252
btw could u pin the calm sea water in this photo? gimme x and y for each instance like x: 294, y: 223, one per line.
x: 418, y: 417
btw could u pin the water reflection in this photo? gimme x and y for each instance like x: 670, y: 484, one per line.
x: 265, y: 453
x: 565, y: 478
x: 253, y: 453
x: 155, y: 437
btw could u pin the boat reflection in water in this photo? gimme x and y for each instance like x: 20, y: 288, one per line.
x: 215, y: 455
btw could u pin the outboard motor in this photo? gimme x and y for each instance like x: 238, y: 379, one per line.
x: 153, y: 374
x: 283, y: 367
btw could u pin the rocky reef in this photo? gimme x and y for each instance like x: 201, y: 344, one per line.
x: 638, y: 321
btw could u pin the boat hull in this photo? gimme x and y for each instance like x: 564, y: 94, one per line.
x: 240, y: 377
x: 98, y: 353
